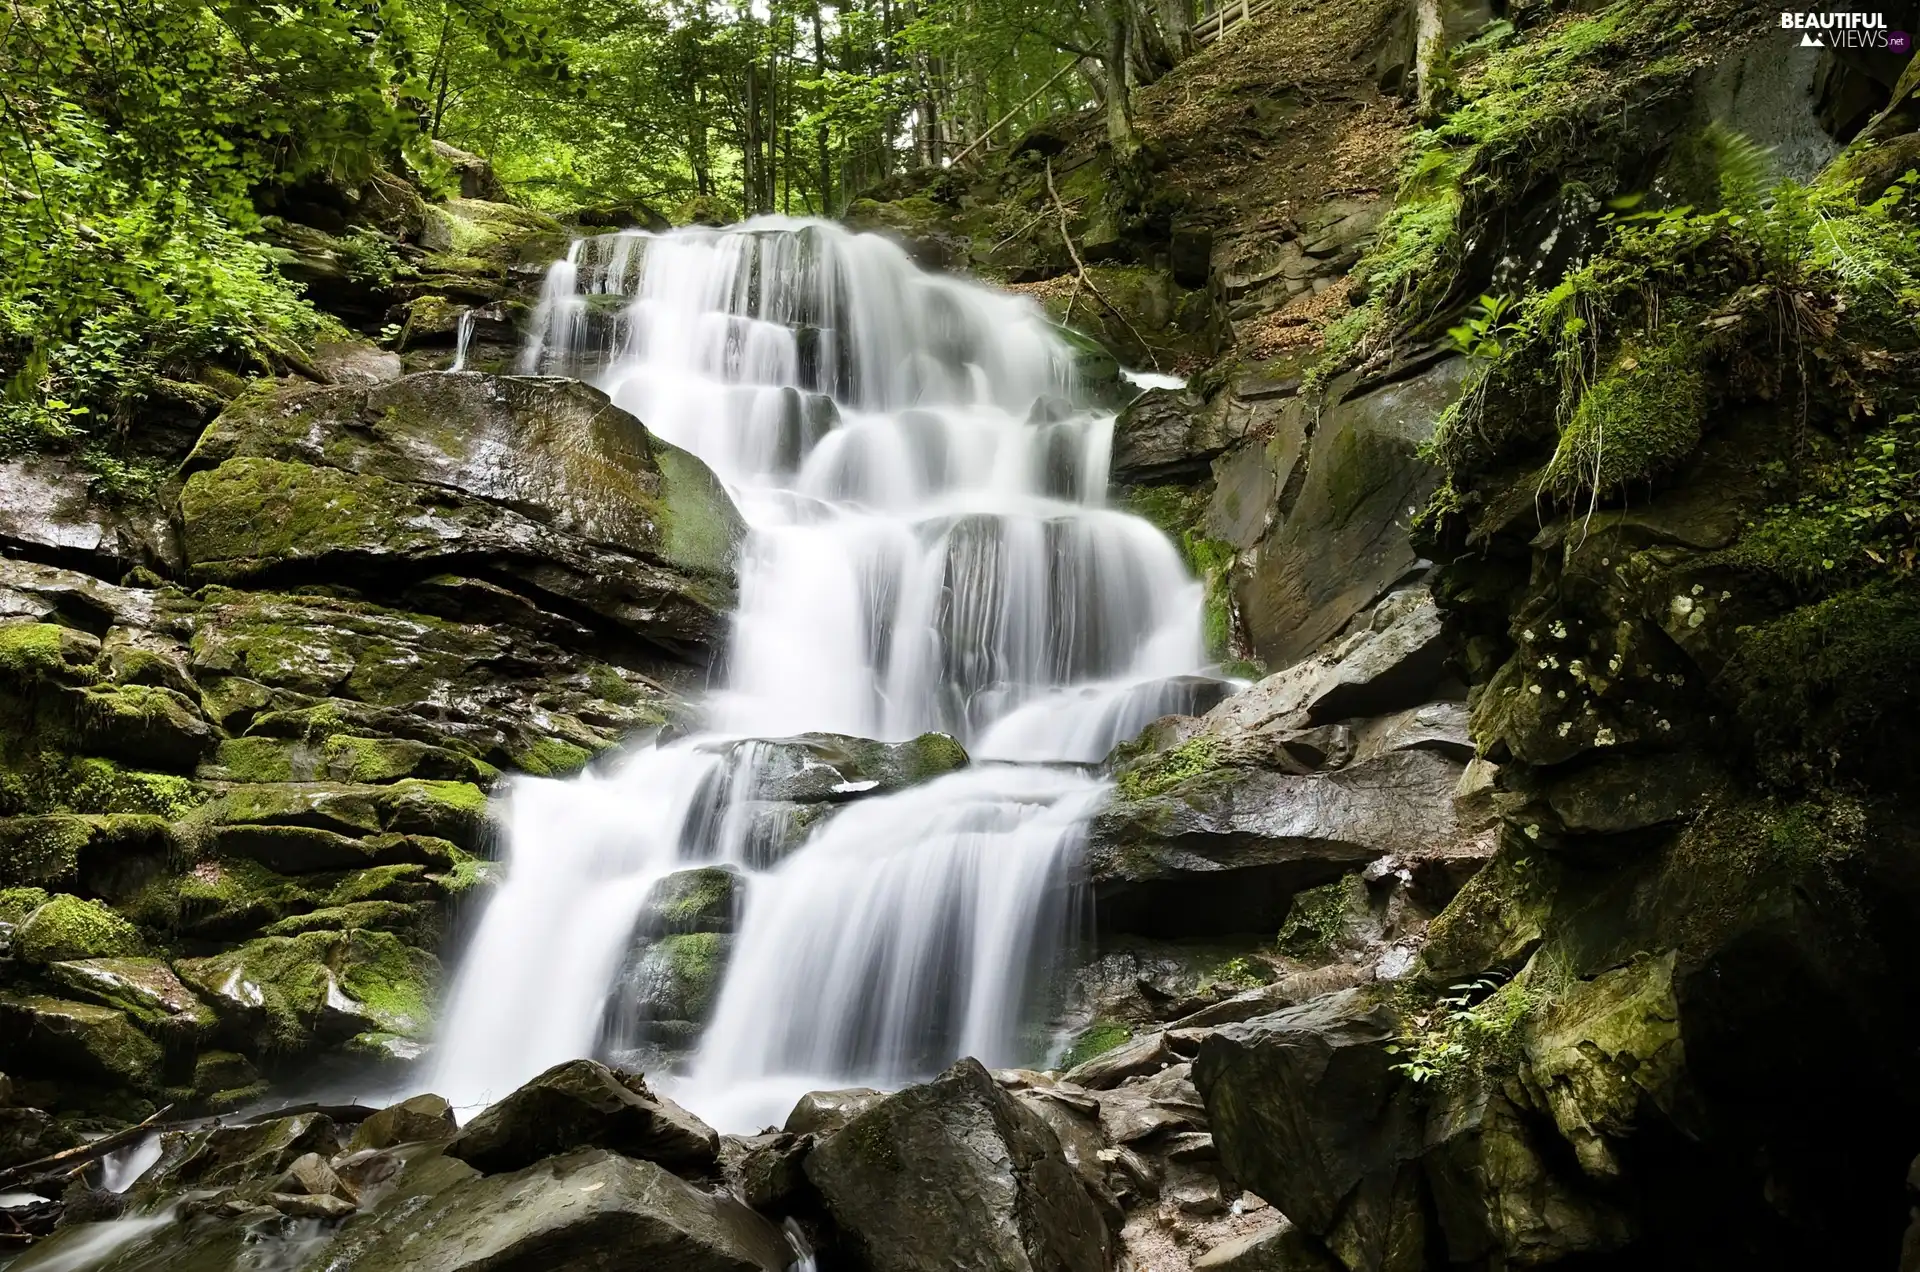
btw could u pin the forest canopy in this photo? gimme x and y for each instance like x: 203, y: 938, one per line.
x: 142, y: 145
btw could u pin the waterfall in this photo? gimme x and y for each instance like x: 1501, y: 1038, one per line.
x: 924, y: 481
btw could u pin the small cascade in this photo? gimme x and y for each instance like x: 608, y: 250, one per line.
x: 462, y: 336
x: 924, y: 482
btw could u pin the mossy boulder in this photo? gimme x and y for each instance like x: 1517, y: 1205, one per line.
x: 146, y: 989
x: 81, y: 1041
x: 68, y: 927
x: 675, y: 977
x: 286, y: 993
x: 700, y: 900
x: 594, y: 510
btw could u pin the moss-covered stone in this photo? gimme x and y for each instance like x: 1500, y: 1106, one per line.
x: 1319, y: 916
x: 42, y: 851
x: 1638, y: 420
x: 83, y: 1041
x: 1095, y: 1040
x: 454, y: 811
x: 287, y: 992
x: 416, y: 923
x: 68, y: 927
x: 142, y: 724
x: 700, y: 900
x: 550, y: 757
x: 146, y: 989
x: 31, y: 652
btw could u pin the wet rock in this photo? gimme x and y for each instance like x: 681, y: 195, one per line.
x: 829, y: 767
x: 45, y: 512
x: 1227, y: 850
x: 145, y: 988
x: 418, y: 1118
x: 287, y: 993
x: 311, y: 1175
x: 588, y: 1209
x: 1167, y: 435
x: 766, y: 1171
x: 821, y: 1113
x: 27, y: 1135
x: 1144, y: 1055
x: 67, y: 928
x: 230, y: 1156
x: 42, y: 1035
x: 956, y: 1173
x: 583, y: 1104
x: 594, y: 512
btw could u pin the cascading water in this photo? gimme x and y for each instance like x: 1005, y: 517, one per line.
x: 924, y: 482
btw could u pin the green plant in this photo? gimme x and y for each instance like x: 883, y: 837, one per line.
x: 368, y: 257
x: 1484, y: 333
x: 1469, y: 1030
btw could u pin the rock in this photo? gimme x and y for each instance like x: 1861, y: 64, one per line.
x: 67, y: 928
x: 27, y: 1135
x: 145, y: 988
x: 420, y: 1117
x: 1227, y: 850
x: 1144, y: 1055
x: 595, y: 512
x: 676, y: 977
x: 822, y: 1113
x: 958, y: 1174
x: 1308, y: 1113
x: 588, y: 1209
x: 310, y: 1175
x: 580, y: 1104
x: 287, y: 993
x: 1344, y: 541
x: 1167, y: 435
x: 45, y: 512
x: 230, y: 1156
x: 829, y: 767
x: 355, y: 362
x: 476, y: 175
x: 765, y: 1171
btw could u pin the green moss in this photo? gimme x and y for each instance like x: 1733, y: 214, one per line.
x: 101, y: 786
x: 1162, y: 772
x: 404, y: 882
x: 278, y: 986
x: 1829, y: 688
x: 929, y: 756
x: 17, y: 903
x: 1095, y: 1040
x: 254, y: 760
x: 468, y: 874
x: 414, y: 923
x: 35, y: 651
x: 550, y: 757
x: 1318, y: 917
x: 67, y: 927
x: 43, y: 850
x: 1641, y: 418
x: 692, y: 899
x: 251, y: 513
x: 608, y: 684
x: 695, y: 961
x: 701, y: 529
x: 232, y: 894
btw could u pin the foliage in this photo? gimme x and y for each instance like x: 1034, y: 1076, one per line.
x: 1471, y: 1029
x: 1317, y: 917
x: 1858, y: 512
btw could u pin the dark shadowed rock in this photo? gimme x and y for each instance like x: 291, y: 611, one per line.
x: 1308, y: 1112
x: 588, y: 1211
x: 1167, y: 435
x: 958, y: 1174
x: 583, y: 1103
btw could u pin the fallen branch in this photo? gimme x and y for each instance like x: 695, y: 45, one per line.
x: 84, y: 1153
x: 1083, y: 277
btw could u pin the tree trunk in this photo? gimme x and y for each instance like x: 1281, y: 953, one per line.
x: 1116, y: 20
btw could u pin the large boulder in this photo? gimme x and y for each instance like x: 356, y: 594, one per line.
x: 1308, y: 1112
x: 593, y: 511
x: 831, y: 767
x: 591, y: 1210
x: 957, y: 1174
x: 583, y: 1104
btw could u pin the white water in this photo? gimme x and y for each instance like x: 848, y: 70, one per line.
x: 929, y: 550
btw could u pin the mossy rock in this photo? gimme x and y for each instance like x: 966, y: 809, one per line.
x: 33, y: 653
x: 676, y: 977
x: 146, y: 989
x: 550, y: 757
x: 77, y: 1040
x: 1639, y: 419
x: 287, y: 993
x: 830, y: 766
x: 67, y: 928
x: 420, y: 924
x: 53, y: 781
x: 1095, y: 1040
x: 142, y: 724
x: 453, y: 811
x: 701, y: 900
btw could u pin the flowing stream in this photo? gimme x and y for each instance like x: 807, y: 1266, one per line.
x: 929, y: 550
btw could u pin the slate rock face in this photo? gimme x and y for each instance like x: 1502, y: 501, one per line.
x: 957, y: 1174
